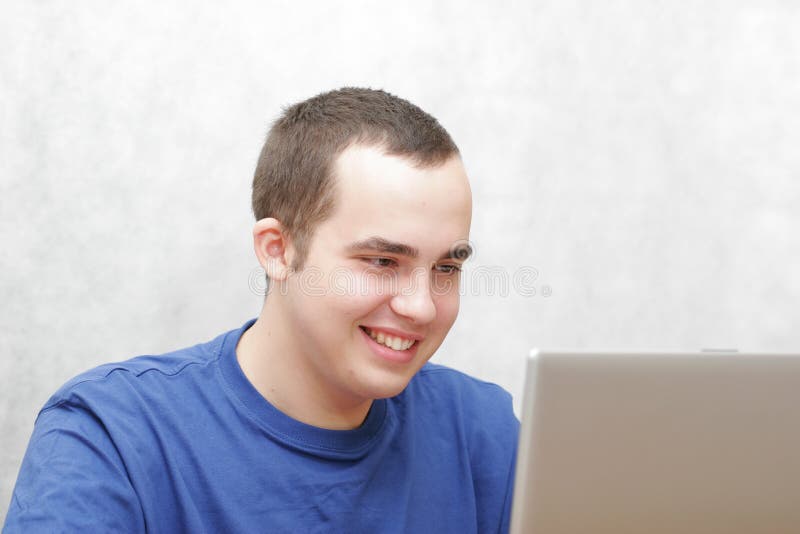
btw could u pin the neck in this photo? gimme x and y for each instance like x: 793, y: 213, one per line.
x: 270, y: 358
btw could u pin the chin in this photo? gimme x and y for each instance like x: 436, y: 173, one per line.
x: 385, y: 385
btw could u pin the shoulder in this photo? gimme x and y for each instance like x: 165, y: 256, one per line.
x: 482, y: 409
x: 441, y: 374
x: 137, y: 375
x: 457, y: 387
x: 478, y: 419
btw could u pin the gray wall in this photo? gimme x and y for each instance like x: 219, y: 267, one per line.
x: 641, y: 156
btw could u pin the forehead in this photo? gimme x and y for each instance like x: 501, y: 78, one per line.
x: 387, y: 196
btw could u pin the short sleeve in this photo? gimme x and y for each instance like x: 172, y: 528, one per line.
x: 72, y: 478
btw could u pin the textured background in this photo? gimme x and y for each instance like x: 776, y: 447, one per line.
x: 642, y: 156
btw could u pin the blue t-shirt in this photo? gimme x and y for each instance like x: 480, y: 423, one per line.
x: 183, y: 442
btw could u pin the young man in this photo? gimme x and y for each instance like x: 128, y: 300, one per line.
x: 322, y: 415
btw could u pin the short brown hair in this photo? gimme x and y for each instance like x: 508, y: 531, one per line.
x: 293, y: 181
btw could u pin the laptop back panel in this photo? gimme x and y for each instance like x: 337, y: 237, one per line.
x: 659, y: 443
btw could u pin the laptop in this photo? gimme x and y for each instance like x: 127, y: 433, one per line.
x: 658, y: 442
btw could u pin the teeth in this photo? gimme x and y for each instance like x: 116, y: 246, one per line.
x: 393, y: 342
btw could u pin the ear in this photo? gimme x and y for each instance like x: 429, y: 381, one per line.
x: 273, y: 248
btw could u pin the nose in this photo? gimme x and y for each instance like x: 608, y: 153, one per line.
x: 415, y: 301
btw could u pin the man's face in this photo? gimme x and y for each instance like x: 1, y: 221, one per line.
x: 379, y: 289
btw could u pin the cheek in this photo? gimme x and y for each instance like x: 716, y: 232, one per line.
x: 371, y: 287
x: 376, y: 282
x: 341, y: 288
x: 353, y: 295
x: 447, y: 309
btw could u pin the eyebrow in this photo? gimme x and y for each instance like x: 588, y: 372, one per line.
x: 460, y: 252
x: 379, y: 244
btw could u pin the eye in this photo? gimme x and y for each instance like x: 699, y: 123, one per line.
x: 380, y: 262
x: 447, y: 268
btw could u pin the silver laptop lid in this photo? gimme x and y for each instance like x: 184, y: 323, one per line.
x: 653, y: 442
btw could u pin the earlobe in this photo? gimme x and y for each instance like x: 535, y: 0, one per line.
x: 273, y: 248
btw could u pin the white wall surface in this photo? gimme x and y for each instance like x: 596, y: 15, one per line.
x: 641, y: 155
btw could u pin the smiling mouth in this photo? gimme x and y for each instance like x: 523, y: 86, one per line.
x: 393, y: 342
